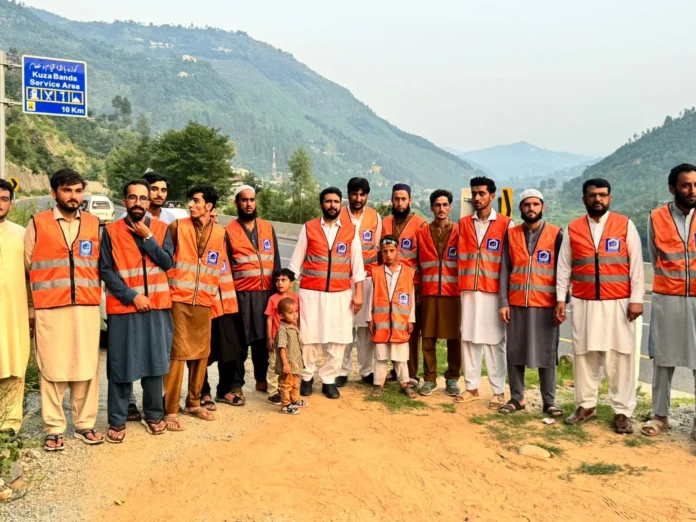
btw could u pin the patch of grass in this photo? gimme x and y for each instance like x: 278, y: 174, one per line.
x: 394, y: 400
x: 31, y: 379
x: 600, y: 468
x: 638, y: 441
x: 448, y: 407
x: 683, y: 400
x: 556, y: 451
x: 478, y: 419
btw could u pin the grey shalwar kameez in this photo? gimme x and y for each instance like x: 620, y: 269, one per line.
x: 672, y: 339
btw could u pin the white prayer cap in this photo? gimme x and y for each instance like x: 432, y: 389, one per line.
x: 531, y: 193
x: 241, y: 188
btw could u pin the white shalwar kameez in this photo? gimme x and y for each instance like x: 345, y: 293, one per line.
x: 326, y: 318
x: 605, y: 343
x: 361, y: 334
x: 396, y: 352
x: 483, y: 333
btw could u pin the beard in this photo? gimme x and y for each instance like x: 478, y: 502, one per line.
x: 596, y: 212
x: 531, y: 219
x: 69, y: 206
x: 242, y: 216
x: 683, y: 202
x: 330, y: 213
x: 401, y: 214
x: 136, y: 217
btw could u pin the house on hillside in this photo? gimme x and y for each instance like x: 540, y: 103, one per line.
x: 182, y: 74
x: 189, y: 58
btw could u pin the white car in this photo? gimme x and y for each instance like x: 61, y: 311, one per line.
x: 177, y: 208
x: 100, y: 206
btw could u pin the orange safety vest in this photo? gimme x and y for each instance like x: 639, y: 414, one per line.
x: 438, y: 274
x: 479, y: 266
x: 675, y: 270
x: 226, y: 296
x: 390, y: 315
x: 604, y: 273
x: 194, y: 280
x: 62, y: 274
x: 368, y: 236
x: 327, y: 269
x: 533, y: 276
x: 137, y: 270
x: 408, y: 244
x: 252, y: 269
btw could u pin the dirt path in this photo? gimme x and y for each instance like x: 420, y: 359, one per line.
x: 353, y: 460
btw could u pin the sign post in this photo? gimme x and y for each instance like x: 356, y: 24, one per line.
x: 505, y: 202
x: 54, y: 87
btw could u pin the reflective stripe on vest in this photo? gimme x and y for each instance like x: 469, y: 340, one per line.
x: 479, y: 266
x: 137, y: 269
x: 675, y: 270
x: 408, y: 244
x: 390, y: 315
x: 62, y: 274
x: 324, y: 269
x: 367, y: 234
x: 252, y: 269
x: 532, y: 280
x: 226, y: 296
x: 438, y: 275
x: 600, y: 273
x: 194, y: 280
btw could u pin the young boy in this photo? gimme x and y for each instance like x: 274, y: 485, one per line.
x: 283, y: 281
x: 390, y: 315
x: 289, y: 357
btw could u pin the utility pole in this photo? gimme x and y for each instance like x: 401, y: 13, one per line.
x: 4, y: 103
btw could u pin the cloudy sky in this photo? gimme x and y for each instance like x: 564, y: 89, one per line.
x: 572, y: 76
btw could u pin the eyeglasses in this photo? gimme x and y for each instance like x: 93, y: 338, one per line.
x: 603, y: 195
x: 132, y: 198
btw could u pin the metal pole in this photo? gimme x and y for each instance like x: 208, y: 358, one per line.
x: 3, y: 175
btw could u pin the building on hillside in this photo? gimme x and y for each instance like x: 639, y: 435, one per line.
x: 182, y: 74
x: 189, y: 58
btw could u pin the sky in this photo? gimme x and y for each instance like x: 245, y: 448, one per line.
x: 570, y: 76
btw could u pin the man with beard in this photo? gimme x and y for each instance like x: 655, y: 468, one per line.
x: 368, y: 227
x: 672, y: 249
x: 254, y: 258
x: 601, y: 255
x: 61, y: 255
x: 158, y: 197
x: 404, y: 224
x: 136, y: 253
x: 437, y: 259
x: 328, y: 256
x: 14, y: 316
x: 527, y: 298
x: 481, y: 238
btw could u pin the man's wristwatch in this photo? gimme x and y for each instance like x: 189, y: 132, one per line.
x: 149, y: 236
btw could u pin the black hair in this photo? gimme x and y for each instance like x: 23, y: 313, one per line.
x: 438, y: 194
x: 284, y: 272
x: 6, y: 185
x: 66, y: 177
x: 284, y: 303
x: 210, y: 195
x: 597, y: 183
x: 154, y: 177
x: 679, y: 169
x: 389, y: 237
x: 480, y: 181
x: 135, y: 182
x: 356, y: 184
x: 330, y: 190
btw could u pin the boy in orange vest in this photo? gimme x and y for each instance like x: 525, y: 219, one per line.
x: 390, y: 315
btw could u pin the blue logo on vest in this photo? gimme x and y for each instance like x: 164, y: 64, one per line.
x: 404, y: 299
x: 452, y: 252
x: 612, y: 244
x: 85, y: 248
x: 367, y: 236
x: 341, y: 249
x: 544, y: 257
x: 213, y: 258
x: 493, y: 245
x: 266, y: 245
x: 407, y: 244
x: 224, y: 267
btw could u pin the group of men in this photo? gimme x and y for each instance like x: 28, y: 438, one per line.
x: 190, y: 293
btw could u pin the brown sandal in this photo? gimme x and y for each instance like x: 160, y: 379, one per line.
x: 116, y: 429
x: 199, y: 413
x: 173, y: 423
x: 154, y: 427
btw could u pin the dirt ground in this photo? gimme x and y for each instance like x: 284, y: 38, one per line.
x: 352, y: 459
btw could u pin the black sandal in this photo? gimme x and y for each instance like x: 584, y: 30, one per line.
x: 57, y: 438
x: 511, y: 406
x: 82, y: 435
x: 134, y: 414
x: 237, y: 400
x: 117, y: 429
x: 553, y: 410
x: 208, y: 404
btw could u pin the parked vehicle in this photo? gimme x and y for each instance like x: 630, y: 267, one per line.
x: 178, y: 208
x: 100, y: 206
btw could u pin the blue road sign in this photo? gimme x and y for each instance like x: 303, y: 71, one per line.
x: 54, y: 87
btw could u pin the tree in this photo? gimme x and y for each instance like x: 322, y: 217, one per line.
x: 195, y: 154
x: 303, y: 188
x: 132, y: 159
x: 551, y: 183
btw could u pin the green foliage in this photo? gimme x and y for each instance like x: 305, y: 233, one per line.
x: 196, y: 154
x: 600, y: 468
x: 556, y: 451
x: 22, y: 214
x: 9, y: 453
x: 394, y: 400
x: 130, y: 161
